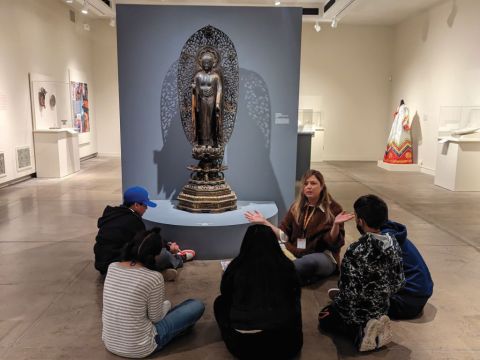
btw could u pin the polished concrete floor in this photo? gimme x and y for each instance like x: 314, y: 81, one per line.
x: 51, y: 296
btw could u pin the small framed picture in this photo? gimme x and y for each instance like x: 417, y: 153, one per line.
x: 24, y: 159
x: 3, y: 171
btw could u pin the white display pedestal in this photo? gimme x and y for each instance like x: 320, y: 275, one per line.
x: 56, y: 152
x: 398, y: 167
x: 212, y: 236
x: 458, y: 164
x: 317, y: 145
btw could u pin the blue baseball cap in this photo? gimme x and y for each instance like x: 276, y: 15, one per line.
x: 137, y: 194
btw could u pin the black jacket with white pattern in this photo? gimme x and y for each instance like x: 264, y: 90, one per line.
x: 371, y: 272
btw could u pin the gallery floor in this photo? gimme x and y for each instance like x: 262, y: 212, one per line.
x: 51, y: 296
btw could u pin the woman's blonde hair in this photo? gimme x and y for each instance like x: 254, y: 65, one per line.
x: 325, y: 199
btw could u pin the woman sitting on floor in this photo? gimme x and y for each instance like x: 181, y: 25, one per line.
x: 312, y: 230
x: 259, y: 311
x: 137, y: 319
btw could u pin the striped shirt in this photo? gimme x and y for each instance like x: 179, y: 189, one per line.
x: 133, y: 300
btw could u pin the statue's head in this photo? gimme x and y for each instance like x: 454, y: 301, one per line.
x: 207, y: 61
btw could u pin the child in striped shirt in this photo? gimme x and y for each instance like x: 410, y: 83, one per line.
x: 137, y: 319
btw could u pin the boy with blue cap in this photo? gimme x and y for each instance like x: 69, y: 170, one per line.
x: 119, y: 224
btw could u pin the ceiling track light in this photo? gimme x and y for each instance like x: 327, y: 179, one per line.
x: 277, y: 3
x: 85, y: 7
x: 317, y: 26
x: 69, y: 1
x: 336, y: 17
x: 334, y: 23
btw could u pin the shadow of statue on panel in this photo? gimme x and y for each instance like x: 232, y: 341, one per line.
x: 251, y: 175
x: 176, y: 152
x: 250, y: 172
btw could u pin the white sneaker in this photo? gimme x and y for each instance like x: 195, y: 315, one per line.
x: 333, y: 292
x: 369, y: 337
x: 385, y: 332
x: 376, y: 334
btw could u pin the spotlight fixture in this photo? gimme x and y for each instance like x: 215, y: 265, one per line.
x: 86, y: 27
x: 85, y: 7
x: 277, y: 3
x: 112, y: 22
x: 69, y: 1
x: 317, y: 26
x: 334, y: 23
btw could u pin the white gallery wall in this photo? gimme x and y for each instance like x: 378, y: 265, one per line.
x: 345, y: 74
x: 37, y: 37
x: 105, y: 72
x: 355, y: 75
x: 437, y: 63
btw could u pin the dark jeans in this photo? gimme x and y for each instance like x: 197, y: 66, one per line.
x: 283, y: 343
x: 329, y: 320
x: 314, y: 267
x: 404, y: 306
x: 167, y: 260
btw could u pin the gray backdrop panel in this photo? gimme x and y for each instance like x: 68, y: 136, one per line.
x: 261, y: 154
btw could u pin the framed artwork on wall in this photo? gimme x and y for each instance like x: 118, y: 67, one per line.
x: 2, y: 164
x: 80, y: 107
x: 24, y: 160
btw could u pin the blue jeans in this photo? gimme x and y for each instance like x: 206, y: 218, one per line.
x: 313, y: 267
x: 178, y: 319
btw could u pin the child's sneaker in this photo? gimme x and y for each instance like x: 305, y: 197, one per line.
x: 368, y: 340
x: 377, y: 333
x: 384, y: 331
x: 187, y: 255
x: 169, y: 274
x: 333, y: 292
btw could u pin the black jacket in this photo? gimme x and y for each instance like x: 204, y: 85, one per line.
x: 117, y: 226
x: 261, y: 301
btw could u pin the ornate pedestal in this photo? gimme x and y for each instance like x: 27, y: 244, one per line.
x: 207, y: 191
x: 207, y: 196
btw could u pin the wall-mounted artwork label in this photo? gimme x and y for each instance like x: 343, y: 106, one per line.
x: 281, y: 119
x: 80, y: 108
x: 24, y: 161
x: 2, y: 164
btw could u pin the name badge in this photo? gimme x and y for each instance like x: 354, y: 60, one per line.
x: 302, y: 243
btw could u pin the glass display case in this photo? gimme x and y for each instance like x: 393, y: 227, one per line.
x: 458, y: 148
x: 309, y: 119
x: 459, y: 121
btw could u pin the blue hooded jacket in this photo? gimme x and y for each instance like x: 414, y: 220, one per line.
x: 418, y: 280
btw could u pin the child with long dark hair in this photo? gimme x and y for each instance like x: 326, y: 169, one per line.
x: 137, y: 319
x: 259, y: 311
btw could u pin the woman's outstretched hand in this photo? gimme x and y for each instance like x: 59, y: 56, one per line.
x: 343, y: 217
x: 255, y: 217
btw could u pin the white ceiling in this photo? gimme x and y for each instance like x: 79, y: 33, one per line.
x: 367, y: 12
